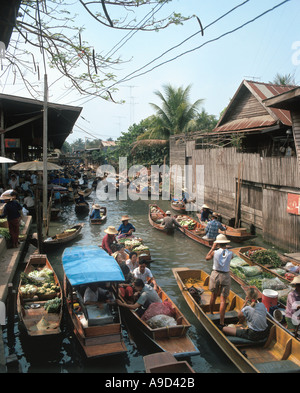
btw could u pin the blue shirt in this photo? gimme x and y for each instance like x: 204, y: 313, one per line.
x: 125, y: 228
x: 95, y: 214
x: 212, y: 229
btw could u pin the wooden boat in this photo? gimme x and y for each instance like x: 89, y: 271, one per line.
x: 99, y: 221
x: 173, y: 339
x: 245, y: 252
x: 82, y: 207
x: 155, y: 217
x: 97, y: 327
x: 178, y: 206
x: 87, y: 192
x: 196, y: 233
x: 165, y: 362
x: 237, y: 235
x: 279, y: 353
x: 60, y: 238
x: 254, y: 283
x: 31, y: 304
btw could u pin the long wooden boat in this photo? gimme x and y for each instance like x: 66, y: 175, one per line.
x: 196, y: 231
x: 32, y: 299
x: 255, y: 282
x: 98, y: 327
x: 237, y: 235
x: 245, y: 254
x: 60, y: 238
x: 165, y: 362
x: 279, y: 353
x: 178, y: 206
x: 155, y: 217
x: 99, y: 221
x: 173, y: 339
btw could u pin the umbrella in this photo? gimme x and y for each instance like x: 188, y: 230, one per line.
x: 35, y: 166
x: 4, y: 160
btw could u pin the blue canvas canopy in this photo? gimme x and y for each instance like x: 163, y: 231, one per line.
x: 88, y: 264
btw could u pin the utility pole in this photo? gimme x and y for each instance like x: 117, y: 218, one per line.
x: 131, y: 104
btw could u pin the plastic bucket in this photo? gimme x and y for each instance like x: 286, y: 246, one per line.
x: 269, y: 298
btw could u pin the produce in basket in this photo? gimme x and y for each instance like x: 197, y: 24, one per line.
x: 28, y: 290
x: 53, y: 305
x: 265, y: 257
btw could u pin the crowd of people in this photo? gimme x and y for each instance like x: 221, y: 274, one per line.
x: 139, y: 288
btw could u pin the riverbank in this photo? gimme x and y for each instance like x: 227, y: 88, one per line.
x: 9, y: 259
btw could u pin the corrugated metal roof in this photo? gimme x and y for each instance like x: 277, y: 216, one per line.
x: 268, y: 90
x: 247, y: 123
x: 260, y: 91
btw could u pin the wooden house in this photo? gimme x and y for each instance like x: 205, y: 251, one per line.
x: 250, y: 164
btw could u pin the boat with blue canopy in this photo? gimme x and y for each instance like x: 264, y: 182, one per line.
x: 90, y: 298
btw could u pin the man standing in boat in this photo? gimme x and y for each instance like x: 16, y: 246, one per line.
x: 169, y: 222
x: 220, y: 280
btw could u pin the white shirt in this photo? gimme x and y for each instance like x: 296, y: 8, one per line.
x: 147, y: 274
x: 29, y: 201
x: 222, y: 258
x: 131, y: 265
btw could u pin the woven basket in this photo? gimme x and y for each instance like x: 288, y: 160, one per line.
x: 27, y: 295
x: 43, y: 296
x: 4, y: 224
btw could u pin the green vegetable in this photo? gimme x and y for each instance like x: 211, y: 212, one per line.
x: 265, y: 257
x: 4, y: 232
x: 53, y: 305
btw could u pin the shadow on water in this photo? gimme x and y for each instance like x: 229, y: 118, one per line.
x: 65, y: 354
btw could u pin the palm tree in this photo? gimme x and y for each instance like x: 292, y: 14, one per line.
x: 288, y: 79
x: 175, y: 113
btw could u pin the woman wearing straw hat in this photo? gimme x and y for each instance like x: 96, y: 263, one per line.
x: 205, y: 212
x: 292, y: 311
x: 220, y: 281
x: 126, y: 228
x: 109, y: 241
x: 95, y: 214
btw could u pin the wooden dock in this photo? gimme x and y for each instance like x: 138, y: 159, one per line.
x: 9, y: 259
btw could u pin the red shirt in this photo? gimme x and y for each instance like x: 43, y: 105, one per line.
x: 107, y: 241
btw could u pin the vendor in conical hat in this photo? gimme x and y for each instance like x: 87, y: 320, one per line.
x: 205, y: 212
x: 95, y: 214
x: 109, y: 240
x: 126, y: 228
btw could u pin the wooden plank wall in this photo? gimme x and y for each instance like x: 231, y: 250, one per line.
x: 296, y: 132
x: 266, y: 181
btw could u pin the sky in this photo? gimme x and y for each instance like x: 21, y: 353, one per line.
x: 214, y: 64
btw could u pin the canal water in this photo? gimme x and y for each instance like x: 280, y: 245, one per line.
x: 64, y: 355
